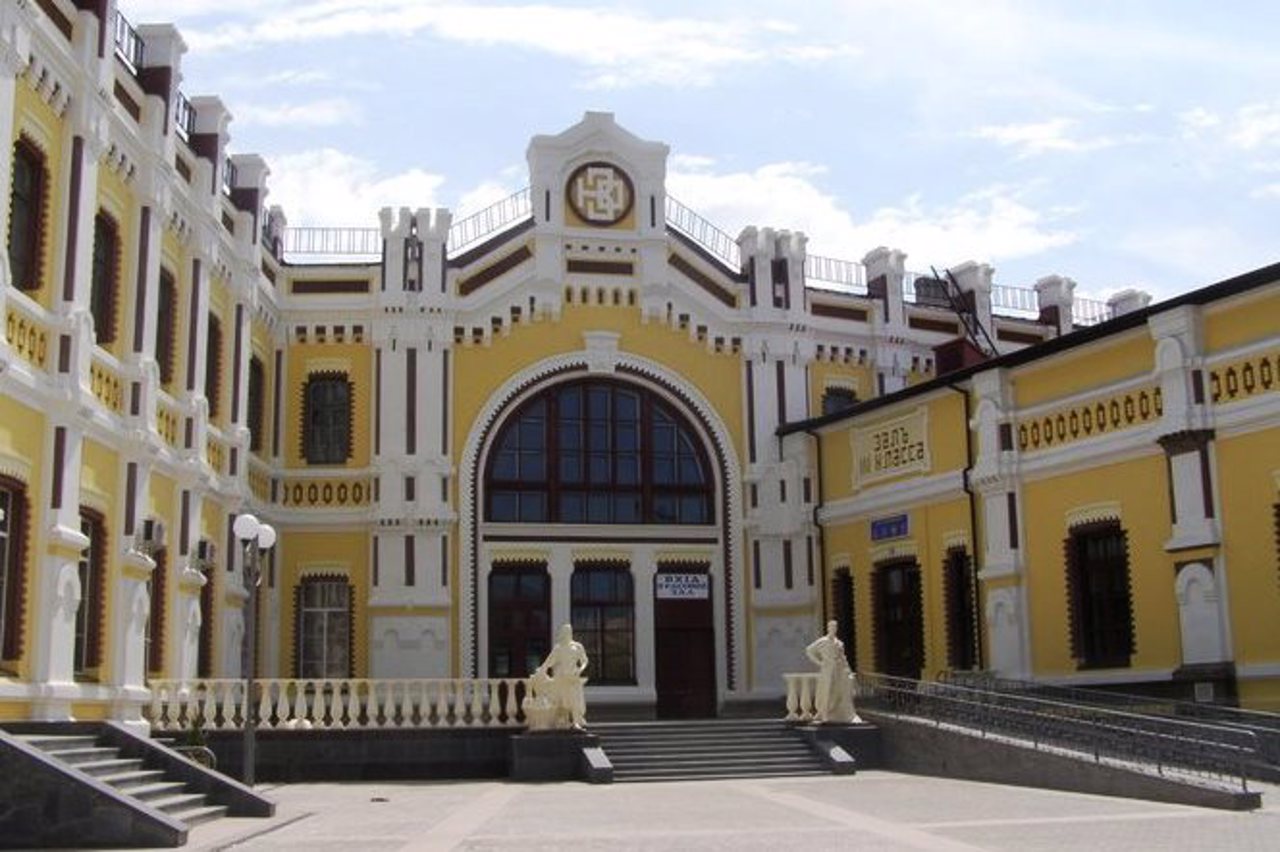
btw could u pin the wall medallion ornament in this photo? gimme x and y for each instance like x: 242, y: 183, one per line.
x: 600, y: 193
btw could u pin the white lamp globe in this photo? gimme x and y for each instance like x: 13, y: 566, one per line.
x: 245, y: 527
x: 266, y: 536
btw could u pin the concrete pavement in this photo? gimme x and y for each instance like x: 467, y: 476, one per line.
x: 871, y: 810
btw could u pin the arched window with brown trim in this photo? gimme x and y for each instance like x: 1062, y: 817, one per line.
x: 13, y: 566
x: 213, y: 367
x: 166, y: 327
x: 598, y: 452
x: 104, y: 289
x: 1099, y: 598
x: 256, y: 403
x: 28, y: 200
x: 93, y: 585
x: 154, y: 639
x: 328, y: 401
x: 324, y: 623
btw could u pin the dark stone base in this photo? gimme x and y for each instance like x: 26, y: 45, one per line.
x: 861, y: 741
x: 550, y: 755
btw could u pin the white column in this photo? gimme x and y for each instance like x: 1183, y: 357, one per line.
x: 560, y: 567
x: 643, y: 567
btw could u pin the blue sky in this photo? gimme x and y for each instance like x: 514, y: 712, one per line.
x: 1124, y: 144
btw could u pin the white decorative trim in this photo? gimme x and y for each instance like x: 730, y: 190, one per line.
x: 683, y: 557
x: 894, y: 550
x: 1033, y: 411
x: 15, y: 467
x: 326, y: 365
x: 499, y: 557
x: 320, y: 569
x: 1092, y: 513
x: 599, y: 554
x: 894, y: 495
x: 956, y: 538
x: 601, y: 350
x: 1254, y: 671
x: 1111, y: 676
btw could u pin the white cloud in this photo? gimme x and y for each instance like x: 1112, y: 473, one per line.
x: 330, y: 187
x: 327, y: 112
x: 1271, y: 190
x: 1203, y: 253
x: 618, y: 48
x: 1041, y: 137
x: 990, y: 224
x: 1256, y: 125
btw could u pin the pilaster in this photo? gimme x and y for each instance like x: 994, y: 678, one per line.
x: 1055, y: 295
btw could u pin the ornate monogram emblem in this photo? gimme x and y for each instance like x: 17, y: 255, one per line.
x: 600, y: 193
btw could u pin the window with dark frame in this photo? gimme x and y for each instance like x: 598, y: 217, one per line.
x: 26, y: 215
x: 326, y: 419
x: 838, y: 399
x: 256, y: 402
x: 602, y: 610
x: 1099, y: 596
x: 13, y: 509
x: 213, y: 367
x: 92, y: 567
x: 104, y: 282
x: 957, y: 580
x: 598, y: 453
x: 519, y: 618
x: 324, y: 621
x: 166, y: 325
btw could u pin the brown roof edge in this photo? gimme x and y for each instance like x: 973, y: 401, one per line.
x: 1221, y: 290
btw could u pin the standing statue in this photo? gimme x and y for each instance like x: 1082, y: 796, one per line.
x: 556, y: 698
x: 834, y: 699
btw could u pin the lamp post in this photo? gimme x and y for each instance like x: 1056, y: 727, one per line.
x: 256, y: 537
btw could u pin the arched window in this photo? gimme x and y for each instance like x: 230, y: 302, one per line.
x: 256, y: 403
x: 598, y: 452
x: 1098, y: 595
x: 26, y: 215
x: 105, y: 280
x: 326, y: 418
x: 838, y: 399
x: 166, y: 327
x: 957, y: 589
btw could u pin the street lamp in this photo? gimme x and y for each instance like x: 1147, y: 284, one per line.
x: 256, y: 537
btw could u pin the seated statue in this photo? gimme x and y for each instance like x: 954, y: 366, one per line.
x: 834, y: 699
x: 556, y: 699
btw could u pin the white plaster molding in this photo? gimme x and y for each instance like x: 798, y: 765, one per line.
x: 895, y: 495
x: 1091, y: 513
x: 601, y: 350
x: 894, y: 550
x: 1104, y: 677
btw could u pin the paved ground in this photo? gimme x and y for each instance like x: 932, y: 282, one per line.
x: 872, y: 810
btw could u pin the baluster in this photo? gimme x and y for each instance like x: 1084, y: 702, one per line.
x: 406, y: 704
x: 477, y: 703
x: 156, y: 713
x: 792, y: 698
x: 226, y: 704
x: 495, y: 704
x: 357, y: 689
x: 513, y: 708
x: 459, y: 702
x: 327, y: 711
x: 442, y: 705
x: 806, y: 700
x: 264, y: 703
x: 299, y: 711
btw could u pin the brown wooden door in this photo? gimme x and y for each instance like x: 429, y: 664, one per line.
x: 684, y: 644
x: 899, y: 609
x: 519, y: 619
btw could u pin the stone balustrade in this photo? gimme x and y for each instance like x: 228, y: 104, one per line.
x: 321, y: 704
x: 802, y: 691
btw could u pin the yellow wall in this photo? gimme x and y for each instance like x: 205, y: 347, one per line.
x: 1248, y: 467
x: 1084, y: 368
x: 1139, y: 486
x: 1242, y: 321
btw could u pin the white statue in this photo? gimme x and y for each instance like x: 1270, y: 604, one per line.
x: 556, y: 698
x: 834, y: 699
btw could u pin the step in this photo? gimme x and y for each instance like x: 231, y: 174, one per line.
x: 199, y: 813
x: 100, y: 768
x: 718, y: 760
x: 54, y: 743
x: 178, y: 802
x: 711, y: 775
x: 704, y: 750
x: 126, y: 781
x: 81, y: 755
x: 153, y: 790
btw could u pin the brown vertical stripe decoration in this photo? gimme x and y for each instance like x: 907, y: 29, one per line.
x: 444, y: 561
x: 782, y: 391
x: 193, y: 327
x: 140, y: 291
x: 184, y: 532
x: 275, y: 403
x: 59, y: 464
x: 411, y: 401
x: 410, y: 570
x: 130, y: 497
x: 377, y: 402
x: 751, y: 412
x: 1012, y: 499
x: 235, y: 366
x: 73, y: 219
x: 444, y: 402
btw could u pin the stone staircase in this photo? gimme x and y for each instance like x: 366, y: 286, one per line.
x: 706, y: 749
x: 154, y: 788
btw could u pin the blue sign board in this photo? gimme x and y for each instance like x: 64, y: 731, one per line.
x: 895, y: 526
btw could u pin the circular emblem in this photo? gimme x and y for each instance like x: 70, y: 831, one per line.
x: 600, y: 193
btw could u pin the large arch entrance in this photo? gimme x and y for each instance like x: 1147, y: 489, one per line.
x: 607, y: 482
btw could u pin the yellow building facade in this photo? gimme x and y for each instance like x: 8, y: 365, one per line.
x: 583, y: 405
